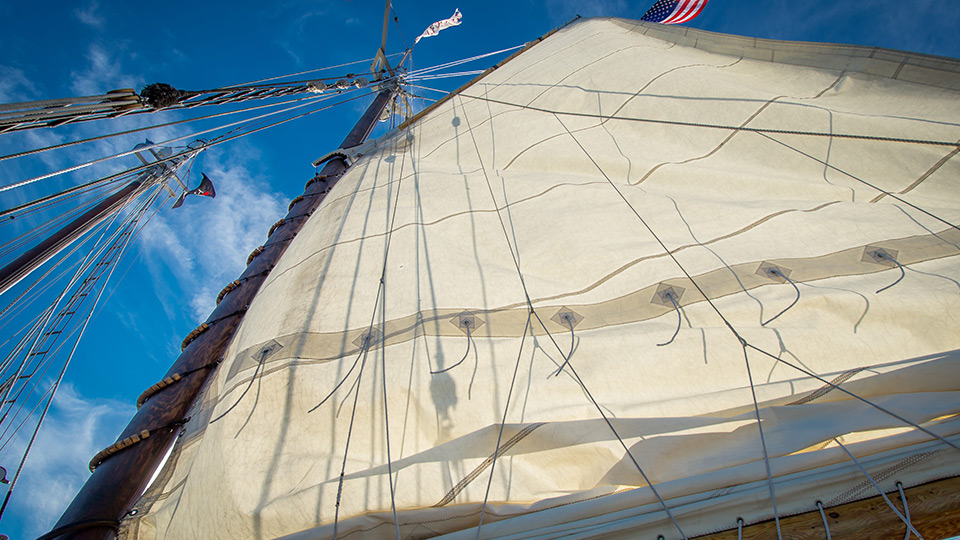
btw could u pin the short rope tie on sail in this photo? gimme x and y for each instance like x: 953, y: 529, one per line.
x: 119, y: 446
x: 466, y: 324
x: 669, y: 296
x: 254, y: 254
x: 568, y: 318
x: 365, y: 343
x: 774, y: 272
x: 823, y: 516
x: 739, y: 528
x: 198, y: 331
x: 906, y: 510
x: 884, y: 256
x: 315, y: 179
x: 170, y: 380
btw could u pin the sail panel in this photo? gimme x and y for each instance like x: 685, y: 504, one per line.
x: 570, y: 210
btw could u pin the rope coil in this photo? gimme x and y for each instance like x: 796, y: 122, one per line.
x: 275, y: 226
x: 253, y: 255
x: 226, y: 290
x: 194, y: 334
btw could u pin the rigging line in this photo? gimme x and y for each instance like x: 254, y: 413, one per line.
x: 56, y: 385
x: 761, y: 131
x: 857, y: 397
x: 154, y: 126
x: 650, y: 230
x: 446, y: 75
x: 566, y: 359
x: 383, y: 342
x: 876, y: 485
x: 54, y: 200
x: 156, y: 145
x: 45, y: 227
x: 86, y: 265
x: 516, y: 263
x: 444, y: 370
x: 503, y: 422
x: 882, y: 255
x: 309, y: 71
x: 669, y: 296
x: 826, y: 524
x: 616, y: 434
x: 862, y: 181
x: 906, y: 509
x: 339, y: 384
x: 776, y: 272
x: 110, y: 256
x: 346, y: 449
x: 263, y: 356
x: 461, y: 61
x: 763, y: 442
x: 45, y: 317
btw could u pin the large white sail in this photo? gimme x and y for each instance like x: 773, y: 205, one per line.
x: 569, y: 210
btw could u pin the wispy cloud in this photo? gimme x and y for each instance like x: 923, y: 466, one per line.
x: 206, y: 242
x: 104, y: 73
x: 76, y: 428
x: 88, y: 15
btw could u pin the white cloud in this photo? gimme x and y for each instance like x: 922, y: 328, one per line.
x: 103, y: 74
x: 205, y: 243
x: 75, y: 429
x: 89, y: 16
x: 15, y: 86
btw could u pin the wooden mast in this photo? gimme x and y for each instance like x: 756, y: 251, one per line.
x: 123, y: 474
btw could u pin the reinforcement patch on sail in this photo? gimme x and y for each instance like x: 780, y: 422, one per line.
x: 637, y: 280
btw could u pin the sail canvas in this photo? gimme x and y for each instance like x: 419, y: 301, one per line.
x: 475, y: 334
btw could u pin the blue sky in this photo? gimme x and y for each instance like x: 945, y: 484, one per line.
x: 172, y: 275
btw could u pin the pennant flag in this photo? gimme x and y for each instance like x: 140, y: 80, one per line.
x: 436, y: 27
x: 674, y: 11
x: 205, y: 189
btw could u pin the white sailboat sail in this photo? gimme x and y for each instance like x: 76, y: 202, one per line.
x: 566, y: 211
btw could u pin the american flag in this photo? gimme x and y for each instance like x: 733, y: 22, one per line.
x: 674, y: 11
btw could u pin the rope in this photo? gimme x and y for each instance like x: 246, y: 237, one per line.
x: 444, y: 370
x: 263, y: 356
x: 724, y: 127
x: 669, y: 296
x: 776, y: 272
x: 168, y: 141
x: 883, y: 255
x: 763, y: 444
x: 572, y: 370
x: 503, y: 422
x: 198, y: 331
x: 826, y: 525
x: 739, y: 528
x: 906, y: 509
x: 566, y: 360
x: 884, y: 495
x: 254, y: 254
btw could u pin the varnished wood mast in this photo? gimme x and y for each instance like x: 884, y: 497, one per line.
x: 934, y: 512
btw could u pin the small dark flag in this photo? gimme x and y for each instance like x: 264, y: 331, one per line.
x: 205, y: 188
x: 674, y: 11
